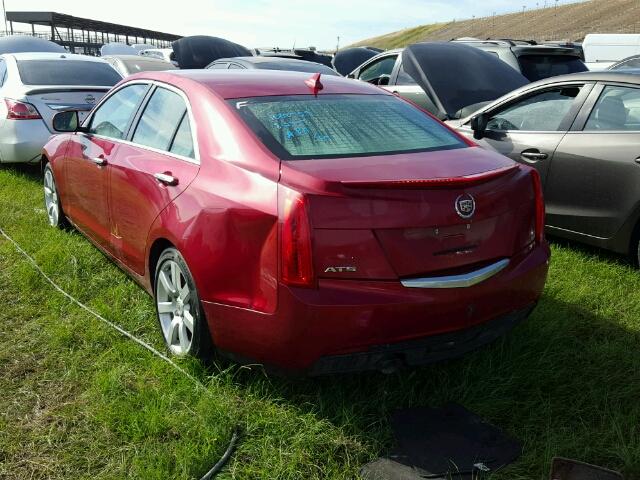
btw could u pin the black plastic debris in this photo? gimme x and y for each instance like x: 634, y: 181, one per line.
x: 447, y: 442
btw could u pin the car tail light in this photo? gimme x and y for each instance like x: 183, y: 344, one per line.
x: 295, y: 239
x: 539, y: 206
x: 21, y: 110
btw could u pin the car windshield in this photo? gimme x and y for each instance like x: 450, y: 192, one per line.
x: 67, y: 72
x: 330, y: 126
x: 537, y: 67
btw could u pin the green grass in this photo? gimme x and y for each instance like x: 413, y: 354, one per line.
x: 77, y: 400
x: 402, y: 38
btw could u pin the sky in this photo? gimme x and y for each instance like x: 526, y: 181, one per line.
x: 282, y: 23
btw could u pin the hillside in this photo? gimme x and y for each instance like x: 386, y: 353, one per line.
x: 564, y: 22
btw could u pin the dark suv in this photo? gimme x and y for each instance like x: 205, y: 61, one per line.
x: 532, y: 60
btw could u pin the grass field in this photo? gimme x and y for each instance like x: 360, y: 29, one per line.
x: 571, y: 20
x: 78, y: 400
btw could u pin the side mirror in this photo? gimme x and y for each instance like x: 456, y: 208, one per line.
x: 479, y: 125
x: 66, y: 121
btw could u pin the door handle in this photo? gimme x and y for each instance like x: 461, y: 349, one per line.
x: 166, y: 178
x: 100, y: 161
x: 533, y: 155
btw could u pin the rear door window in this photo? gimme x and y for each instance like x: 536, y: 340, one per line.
x: 618, y: 108
x: 537, y: 67
x: 67, y: 72
x: 160, y: 120
x: 542, y: 112
x: 112, y: 117
x: 330, y: 126
x: 183, y: 140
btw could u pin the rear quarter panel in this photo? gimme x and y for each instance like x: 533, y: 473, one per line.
x: 225, y: 222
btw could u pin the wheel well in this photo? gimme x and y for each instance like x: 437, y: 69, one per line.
x: 159, y: 246
x: 43, y: 162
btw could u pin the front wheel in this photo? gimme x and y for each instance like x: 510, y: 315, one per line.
x: 52, y: 200
x: 183, y: 324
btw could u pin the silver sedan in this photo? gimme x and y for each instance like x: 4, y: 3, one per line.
x: 34, y: 87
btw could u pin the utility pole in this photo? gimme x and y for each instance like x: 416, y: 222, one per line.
x: 338, y: 44
x: 4, y: 11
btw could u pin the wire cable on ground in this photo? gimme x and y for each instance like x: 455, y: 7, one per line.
x: 227, y: 454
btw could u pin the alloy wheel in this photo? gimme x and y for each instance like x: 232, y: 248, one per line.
x: 175, y: 307
x: 51, y: 198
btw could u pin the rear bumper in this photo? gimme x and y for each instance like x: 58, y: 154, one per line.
x: 342, y: 321
x: 421, y: 351
x: 21, y: 141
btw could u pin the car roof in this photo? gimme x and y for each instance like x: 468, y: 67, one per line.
x: 620, y: 76
x: 265, y: 60
x: 259, y: 83
x: 599, y: 76
x: 52, y: 56
x: 136, y: 57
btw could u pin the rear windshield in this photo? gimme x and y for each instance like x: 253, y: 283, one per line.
x: 142, y: 65
x: 67, y: 72
x: 537, y: 67
x: 329, y: 126
x: 309, y: 67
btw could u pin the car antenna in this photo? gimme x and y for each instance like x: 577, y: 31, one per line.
x: 314, y: 83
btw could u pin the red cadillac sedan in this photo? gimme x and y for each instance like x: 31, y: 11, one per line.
x: 310, y: 224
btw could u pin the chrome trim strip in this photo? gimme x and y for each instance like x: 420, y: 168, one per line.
x: 458, y: 281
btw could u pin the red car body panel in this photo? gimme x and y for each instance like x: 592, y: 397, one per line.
x: 223, y: 217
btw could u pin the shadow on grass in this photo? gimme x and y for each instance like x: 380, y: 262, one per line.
x: 566, y: 382
x: 598, y: 253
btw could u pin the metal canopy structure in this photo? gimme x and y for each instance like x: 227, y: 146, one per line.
x: 86, y: 34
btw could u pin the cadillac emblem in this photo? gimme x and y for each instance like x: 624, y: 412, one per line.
x: 465, y: 206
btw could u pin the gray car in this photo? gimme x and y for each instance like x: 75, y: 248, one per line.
x: 129, y: 64
x: 582, y: 133
x: 271, y: 63
x: 35, y: 86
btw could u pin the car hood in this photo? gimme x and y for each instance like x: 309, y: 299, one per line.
x: 198, y: 51
x: 457, y: 75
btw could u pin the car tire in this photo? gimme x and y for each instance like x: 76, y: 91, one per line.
x: 52, y: 205
x: 635, y: 251
x: 182, y: 321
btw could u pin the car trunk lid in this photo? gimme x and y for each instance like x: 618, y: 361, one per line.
x: 413, y: 215
x: 51, y: 100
